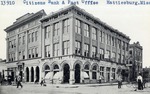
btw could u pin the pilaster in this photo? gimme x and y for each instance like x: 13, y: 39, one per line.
x: 72, y: 34
x: 61, y: 38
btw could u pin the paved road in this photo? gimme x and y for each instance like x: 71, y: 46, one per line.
x: 53, y: 89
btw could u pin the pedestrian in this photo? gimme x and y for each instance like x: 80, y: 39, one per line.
x: 140, y: 82
x: 119, y: 81
x: 100, y: 79
x: 9, y: 80
x: 43, y: 82
x: 19, y: 81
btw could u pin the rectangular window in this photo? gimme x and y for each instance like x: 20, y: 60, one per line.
x: 94, y: 33
x: 19, y: 41
x: 23, y: 40
x: 33, y: 52
x: 108, y: 74
x: 36, y: 35
x: 100, y: 35
x: 109, y: 39
x: 47, y: 32
x: 113, y: 73
x: 113, y: 56
x: 78, y: 47
x: 86, y: 50
x: 65, y: 47
x: 103, y: 37
x: 56, y: 49
x: 29, y: 51
x: 127, y: 46
x: 47, y: 51
x: 66, y: 26
x: 36, y: 52
x: 23, y: 54
x: 101, y: 53
x: 86, y: 30
x: 101, y: 71
x: 33, y: 37
x: 108, y: 54
x: 94, y: 51
x: 78, y: 26
x: 119, y: 58
x: 106, y: 38
x: 29, y: 38
x: 123, y: 45
x: 113, y: 41
x: 119, y: 43
x: 56, y: 29
x: 19, y: 55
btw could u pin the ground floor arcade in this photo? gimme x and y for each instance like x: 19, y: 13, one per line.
x: 66, y: 70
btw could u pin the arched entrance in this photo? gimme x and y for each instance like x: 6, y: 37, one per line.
x: 37, y: 74
x: 32, y: 74
x: 77, y: 73
x: 66, y: 74
x: 27, y: 74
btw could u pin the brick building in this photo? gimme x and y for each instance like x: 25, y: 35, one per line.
x: 66, y: 46
x: 135, y: 60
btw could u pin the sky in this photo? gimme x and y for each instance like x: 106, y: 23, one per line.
x: 134, y: 21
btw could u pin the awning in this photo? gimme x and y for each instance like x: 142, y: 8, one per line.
x: 48, y: 75
x: 57, y: 75
x: 85, y: 75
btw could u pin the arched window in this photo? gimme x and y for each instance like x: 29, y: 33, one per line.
x: 46, y: 69
x: 56, y: 69
x: 86, y: 68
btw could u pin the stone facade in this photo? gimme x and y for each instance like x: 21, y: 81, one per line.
x: 68, y: 46
x: 135, y: 60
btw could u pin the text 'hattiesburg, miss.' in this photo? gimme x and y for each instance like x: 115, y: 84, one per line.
x: 74, y: 2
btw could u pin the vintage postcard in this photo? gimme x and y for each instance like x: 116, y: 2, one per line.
x: 74, y: 46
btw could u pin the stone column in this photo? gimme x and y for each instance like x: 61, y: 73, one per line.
x: 90, y: 74
x: 81, y: 76
x: 105, y: 74
x: 72, y: 77
x: 29, y: 74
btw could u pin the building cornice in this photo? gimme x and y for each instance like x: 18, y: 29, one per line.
x: 95, y: 19
x: 28, y: 19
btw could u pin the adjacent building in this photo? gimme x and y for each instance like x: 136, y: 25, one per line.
x: 135, y: 60
x: 3, y: 69
x: 66, y: 46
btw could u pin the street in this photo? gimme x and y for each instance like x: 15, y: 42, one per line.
x: 64, y: 89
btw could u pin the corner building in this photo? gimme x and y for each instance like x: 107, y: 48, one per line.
x: 73, y: 47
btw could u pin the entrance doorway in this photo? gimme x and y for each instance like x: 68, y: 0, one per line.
x: 66, y: 73
x: 32, y: 74
x: 27, y: 74
x: 37, y: 74
x: 77, y: 73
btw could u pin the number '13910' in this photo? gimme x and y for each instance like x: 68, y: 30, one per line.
x: 7, y: 2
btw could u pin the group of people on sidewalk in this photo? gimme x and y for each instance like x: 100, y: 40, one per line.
x: 140, y: 82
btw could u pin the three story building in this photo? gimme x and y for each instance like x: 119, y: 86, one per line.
x: 66, y: 46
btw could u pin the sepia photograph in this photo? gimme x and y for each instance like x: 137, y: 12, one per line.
x: 74, y: 47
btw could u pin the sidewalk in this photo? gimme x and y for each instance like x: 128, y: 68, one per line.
x: 85, y: 85
x: 76, y: 85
